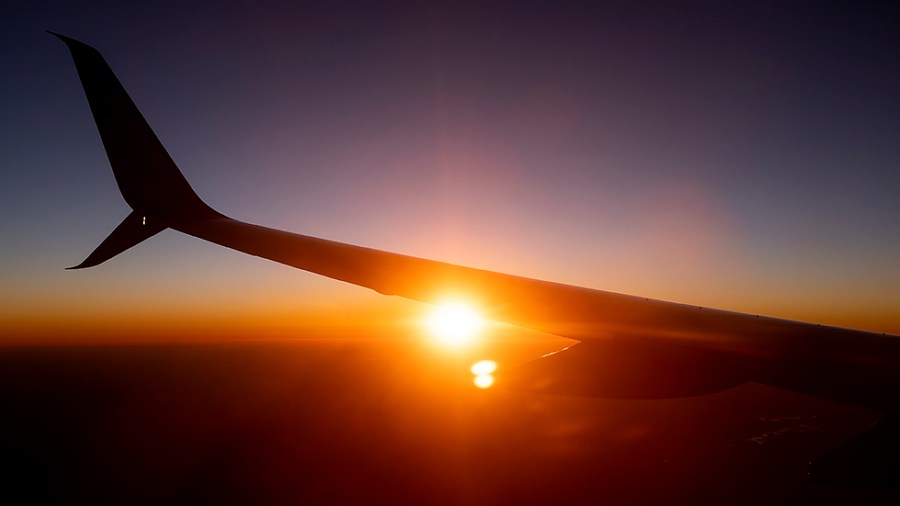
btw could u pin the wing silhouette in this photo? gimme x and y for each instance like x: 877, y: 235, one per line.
x: 631, y: 347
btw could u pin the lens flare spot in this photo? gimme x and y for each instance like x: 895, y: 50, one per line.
x: 483, y: 367
x: 454, y: 323
x: 483, y: 380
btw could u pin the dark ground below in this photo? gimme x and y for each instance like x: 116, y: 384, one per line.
x: 385, y: 422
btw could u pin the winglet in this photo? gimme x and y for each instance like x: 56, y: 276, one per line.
x: 133, y: 229
x: 148, y: 179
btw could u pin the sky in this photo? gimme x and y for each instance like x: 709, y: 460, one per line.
x: 739, y: 155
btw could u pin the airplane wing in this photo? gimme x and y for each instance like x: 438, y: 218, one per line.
x: 631, y: 347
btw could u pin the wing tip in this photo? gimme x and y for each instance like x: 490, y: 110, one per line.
x: 73, y: 44
x: 67, y: 40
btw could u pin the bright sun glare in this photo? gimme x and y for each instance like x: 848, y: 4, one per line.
x: 454, y: 323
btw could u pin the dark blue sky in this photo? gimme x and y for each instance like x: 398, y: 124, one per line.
x: 730, y: 155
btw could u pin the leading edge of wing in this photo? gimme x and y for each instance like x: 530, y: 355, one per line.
x: 579, y: 313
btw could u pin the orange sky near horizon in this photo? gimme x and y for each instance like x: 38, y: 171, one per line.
x: 725, y: 156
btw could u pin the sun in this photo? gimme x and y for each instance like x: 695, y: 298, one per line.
x: 454, y: 323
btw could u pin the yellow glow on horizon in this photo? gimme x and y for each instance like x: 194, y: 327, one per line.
x: 454, y: 323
